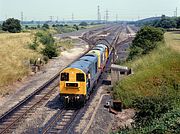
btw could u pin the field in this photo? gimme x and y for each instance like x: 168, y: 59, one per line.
x: 155, y: 87
x: 14, y: 58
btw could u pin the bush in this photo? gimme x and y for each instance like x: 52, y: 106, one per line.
x: 83, y: 23
x: 11, y: 25
x: 150, y: 108
x: 75, y: 27
x: 45, y: 58
x: 50, y: 51
x: 46, y: 26
x: 45, y: 37
x: 34, y: 45
x: 145, y: 41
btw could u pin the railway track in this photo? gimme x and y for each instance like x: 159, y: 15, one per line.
x: 10, y: 120
x: 61, y: 121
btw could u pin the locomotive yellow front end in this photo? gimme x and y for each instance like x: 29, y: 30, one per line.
x: 72, y: 85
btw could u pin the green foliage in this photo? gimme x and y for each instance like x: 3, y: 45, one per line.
x: 166, y: 23
x: 163, y: 22
x: 178, y: 22
x: 150, y: 108
x: 46, y: 26
x: 38, y: 26
x: 75, y: 27
x: 34, y: 45
x: 11, y: 25
x: 66, y: 29
x: 83, y: 23
x: 153, y: 92
x: 145, y: 41
x: 46, y: 58
x: 26, y: 26
x: 50, y: 48
x: 50, y: 51
x: 168, y: 123
x: 45, y: 37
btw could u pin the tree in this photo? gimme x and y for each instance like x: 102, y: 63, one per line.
x: 26, y: 26
x: 83, y: 23
x: 38, y: 26
x: 146, y: 39
x: 178, y: 22
x: 76, y: 27
x: 45, y: 26
x: 11, y: 25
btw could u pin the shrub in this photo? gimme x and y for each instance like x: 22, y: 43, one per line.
x: 11, y: 25
x: 34, y: 45
x: 45, y: 58
x: 145, y: 41
x: 46, y: 26
x: 83, y: 23
x: 45, y: 37
x: 150, y: 108
x: 50, y: 51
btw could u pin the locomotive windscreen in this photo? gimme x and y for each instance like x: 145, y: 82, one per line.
x: 64, y: 76
x: 80, y: 77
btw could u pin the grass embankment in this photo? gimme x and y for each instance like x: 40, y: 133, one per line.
x: 154, y: 89
x: 14, y: 58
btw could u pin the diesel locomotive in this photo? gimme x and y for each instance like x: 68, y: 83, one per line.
x: 78, y: 79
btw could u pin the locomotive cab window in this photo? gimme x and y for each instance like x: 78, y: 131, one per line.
x: 64, y: 76
x: 80, y: 77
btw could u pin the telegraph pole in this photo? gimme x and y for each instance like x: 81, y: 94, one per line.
x: 22, y: 17
x: 51, y: 18
x: 116, y: 18
x: 72, y: 17
x: 57, y: 19
x: 107, y: 15
x: 98, y: 14
x: 176, y: 11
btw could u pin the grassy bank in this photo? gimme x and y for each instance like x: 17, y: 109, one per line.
x: 153, y: 72
x: 154, y: 88
x: 14, y: 58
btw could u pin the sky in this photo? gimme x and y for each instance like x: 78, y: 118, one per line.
x: 86, y: 9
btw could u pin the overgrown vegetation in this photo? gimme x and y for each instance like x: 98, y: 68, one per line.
x: 14, y: 58
x: 49, y: 48
x: 154, y: 89
x: 11, y: 25
x: 145, y: 41
x: 66, y: 28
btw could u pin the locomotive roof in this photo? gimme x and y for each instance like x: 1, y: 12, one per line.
x: 102, y: 45
x: 101, y: 50
x: 89, y: 58
x: 82, y: 65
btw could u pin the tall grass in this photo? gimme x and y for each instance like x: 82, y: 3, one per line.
x: 154, y: 89
x: 154, y: 73
x: 14, y: 58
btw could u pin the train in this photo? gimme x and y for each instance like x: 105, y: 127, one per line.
x: 77, y: 81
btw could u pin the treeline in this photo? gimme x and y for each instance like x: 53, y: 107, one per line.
x: 164, y: 22
x: 13, y: 25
